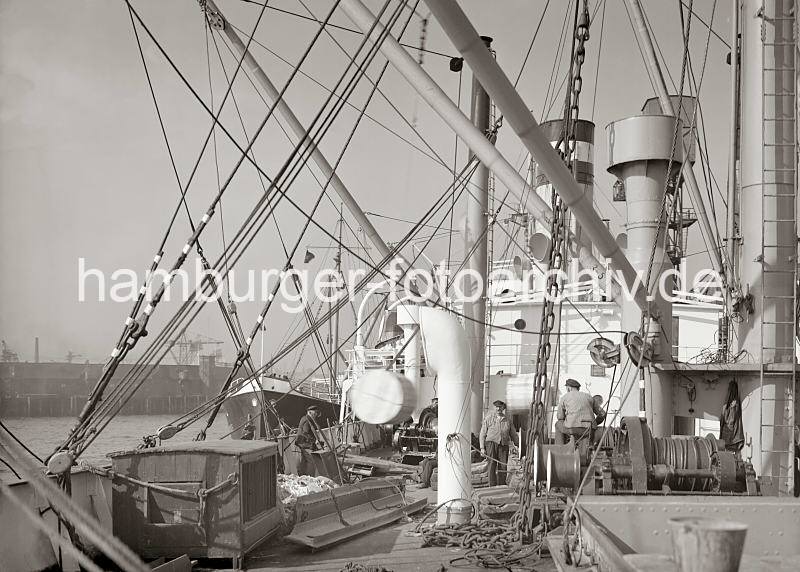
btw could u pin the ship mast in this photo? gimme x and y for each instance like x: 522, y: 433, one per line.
x: 476, y: 253
x: 767, y: 261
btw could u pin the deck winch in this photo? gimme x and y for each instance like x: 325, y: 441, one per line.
x: 631, y: 461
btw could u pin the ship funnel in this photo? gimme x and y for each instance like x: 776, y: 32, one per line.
x: 448, y: 353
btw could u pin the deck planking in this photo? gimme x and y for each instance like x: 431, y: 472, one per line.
x: 395, y: 547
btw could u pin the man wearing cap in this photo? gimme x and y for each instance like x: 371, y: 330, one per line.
x: 306, y: 441
x: 497, y: 435
x: 577, y: 414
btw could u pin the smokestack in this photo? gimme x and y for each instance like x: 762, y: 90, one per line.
x: 36, y: 350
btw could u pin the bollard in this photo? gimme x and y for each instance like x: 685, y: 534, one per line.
x: 707, y: 544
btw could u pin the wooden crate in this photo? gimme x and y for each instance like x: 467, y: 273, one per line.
x: 207, y: 499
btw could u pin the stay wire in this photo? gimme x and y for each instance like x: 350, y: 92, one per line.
x: 346, y: 29
x: 285, y: 165
x: 154, y: 302
x: 530, y: 46
x: 370, y: 56
x: 599, y: 57
x: 286, y: 133
x: 263, y: 187
x: 133, y: 327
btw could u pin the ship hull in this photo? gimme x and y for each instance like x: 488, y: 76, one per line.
x: 290, y: 406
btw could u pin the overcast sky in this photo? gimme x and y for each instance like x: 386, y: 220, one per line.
x: 84, y: 172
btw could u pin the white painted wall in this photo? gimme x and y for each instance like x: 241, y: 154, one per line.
x: 512, y: 354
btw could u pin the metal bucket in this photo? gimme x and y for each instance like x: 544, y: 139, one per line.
x: 707, y: 544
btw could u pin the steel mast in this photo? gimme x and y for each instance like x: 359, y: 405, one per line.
x: 477, y: 254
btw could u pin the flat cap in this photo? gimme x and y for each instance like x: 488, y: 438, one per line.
x: 573, y: 383
x: 312, y: 408
x: 499, y: 403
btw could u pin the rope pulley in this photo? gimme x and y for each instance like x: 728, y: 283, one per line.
x: 639, y: 351
x: 604, y: 352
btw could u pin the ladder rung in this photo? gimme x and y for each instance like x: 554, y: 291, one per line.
x: 777, y: 246
x: 778, y: 271
x: 779, y: 144
x: 775, y: 451
x: 773, y: 372
x: 777, y: 321
x: 778, y: 194
x: 778, y: 69
x: 784, y: 169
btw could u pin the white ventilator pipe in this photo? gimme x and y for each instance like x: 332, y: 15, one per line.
x: 654, y: 71
x: 517, y: 115
x: 408, y: 320
x: 297, y: 128
x: 447, y: 350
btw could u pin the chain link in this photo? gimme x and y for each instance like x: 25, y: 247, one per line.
x: 556, y: 259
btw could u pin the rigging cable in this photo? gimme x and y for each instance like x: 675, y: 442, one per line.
x: 353, y: 30
x: 138, y: 327
x: 283, y: 171
x: 294, y: 277
x: 134, y: 328
x: 374, y: 50
x: 288, y: 137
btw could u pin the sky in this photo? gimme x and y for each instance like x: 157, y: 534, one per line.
x: 85, y: 175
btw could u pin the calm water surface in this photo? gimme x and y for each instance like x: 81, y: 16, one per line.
x: 43, y: 434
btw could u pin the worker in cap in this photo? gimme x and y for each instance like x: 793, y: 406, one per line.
x: 497, y: 436
x: 577, y: 413
x: 306, y: 441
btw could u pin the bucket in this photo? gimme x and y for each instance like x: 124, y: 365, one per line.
x: 707, y: 544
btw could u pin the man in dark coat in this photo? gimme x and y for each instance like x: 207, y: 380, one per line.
x: 306, y: 441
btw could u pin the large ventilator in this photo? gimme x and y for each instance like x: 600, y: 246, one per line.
x: 381, y: 396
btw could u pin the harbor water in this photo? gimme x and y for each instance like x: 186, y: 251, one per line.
x: 43, y: 434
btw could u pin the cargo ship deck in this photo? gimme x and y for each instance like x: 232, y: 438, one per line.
x: 395, y: 547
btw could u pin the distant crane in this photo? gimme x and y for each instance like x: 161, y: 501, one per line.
x: 8, y: 355
x: 186, y: 351
x: 71, y: 356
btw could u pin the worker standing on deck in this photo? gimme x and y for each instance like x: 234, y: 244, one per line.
x: 497, y: 435
x: 577, y: 414
x: 307, y: 442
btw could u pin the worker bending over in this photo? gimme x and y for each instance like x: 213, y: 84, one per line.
x: 577, y: 414
x: 497, y: 435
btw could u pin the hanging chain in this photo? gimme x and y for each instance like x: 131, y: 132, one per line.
x: 557, y: 251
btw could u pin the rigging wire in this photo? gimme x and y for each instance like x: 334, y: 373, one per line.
x: 289, y: 138
x: 136, y: 328
x: 599, y: 57
x: 530, y: 46
x: 346, y: 29
x: 354, y: 107
x: 108, y: 372
x: 561, y: 45
x: 697, y: 102
x: 294, y: 277
x: 362, y: 69
x: 455, y: 163
x: 351, y: 85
